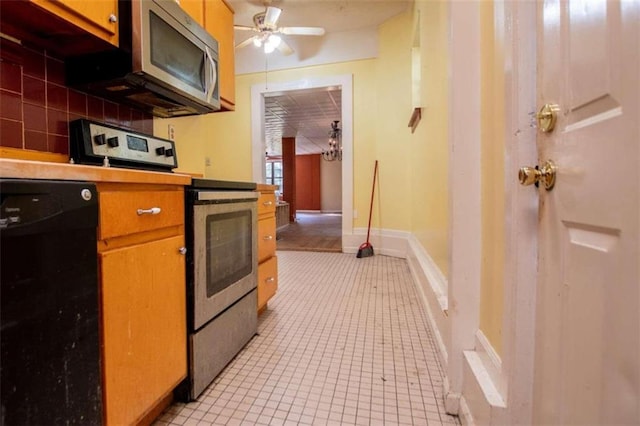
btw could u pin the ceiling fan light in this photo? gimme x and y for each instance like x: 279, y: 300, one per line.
x: 268, y: 48
x: 257, y: 42
x: 275, y: 40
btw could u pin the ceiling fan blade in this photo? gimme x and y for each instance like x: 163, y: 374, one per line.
x: 315, y: 31
x: 244, y: 28
x: 246, y: 42
x: 271, y: 17
x: 284, y: 48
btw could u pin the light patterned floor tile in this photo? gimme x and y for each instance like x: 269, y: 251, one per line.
x: 344, y: 341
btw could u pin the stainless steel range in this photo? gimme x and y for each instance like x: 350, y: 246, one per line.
x: 221, y: 232
x: 222, y: 264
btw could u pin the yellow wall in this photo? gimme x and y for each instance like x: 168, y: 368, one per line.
x: 412, y: 191
x: 392, y: 136
x: 492, y: 175
x: 429, y: 146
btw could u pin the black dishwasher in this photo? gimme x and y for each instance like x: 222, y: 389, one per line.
x: 49, y: 330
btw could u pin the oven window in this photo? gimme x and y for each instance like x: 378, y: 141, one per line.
x: 229, y: 256
x: 175, y: 54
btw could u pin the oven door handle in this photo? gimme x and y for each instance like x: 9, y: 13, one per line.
x: 152, y: 210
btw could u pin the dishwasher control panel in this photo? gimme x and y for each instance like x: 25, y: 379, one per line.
x: 97, y: 143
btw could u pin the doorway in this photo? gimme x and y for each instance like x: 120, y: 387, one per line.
x: 259, y: 146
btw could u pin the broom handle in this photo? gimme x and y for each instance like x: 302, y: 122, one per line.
x: 375, y: 172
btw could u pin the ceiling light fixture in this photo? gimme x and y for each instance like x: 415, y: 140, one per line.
x: 335, y: 144
x: 271, y: 42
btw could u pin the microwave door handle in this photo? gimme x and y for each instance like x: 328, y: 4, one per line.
x: 211, y: 82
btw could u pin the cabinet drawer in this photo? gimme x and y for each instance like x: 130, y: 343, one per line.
x: 129, y: 212
x: 266, y: 238
x: 267, y: 281
x: 267, y: 204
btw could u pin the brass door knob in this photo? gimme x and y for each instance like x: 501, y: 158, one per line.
x: 534, y: 175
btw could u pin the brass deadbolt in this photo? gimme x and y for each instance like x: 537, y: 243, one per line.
x: 534, y: 175
x: 547, y: 117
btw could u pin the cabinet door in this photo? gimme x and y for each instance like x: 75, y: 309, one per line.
x: 97, y: 17
x: 144, y: 326
x: 195, y: 9
x: 218, y: 20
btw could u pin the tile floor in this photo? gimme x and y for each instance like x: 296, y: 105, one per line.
x: 345, y: 341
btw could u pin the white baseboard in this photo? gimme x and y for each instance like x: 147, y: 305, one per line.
x: 432, y: 288
x: 464, y: 414
x: 384, y: 241
x: 492, y: 363
x: 484, y: 403
x: 451, y: 399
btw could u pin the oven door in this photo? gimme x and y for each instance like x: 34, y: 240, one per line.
x: 225, y: 251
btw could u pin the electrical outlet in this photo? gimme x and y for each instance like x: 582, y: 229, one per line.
x: 355, y: 213
x: 172, y: 133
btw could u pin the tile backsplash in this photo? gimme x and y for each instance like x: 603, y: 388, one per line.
x: 36, y: 105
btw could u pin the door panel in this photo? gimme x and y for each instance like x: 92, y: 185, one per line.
x: 308, y: 182
x: 587, y: 368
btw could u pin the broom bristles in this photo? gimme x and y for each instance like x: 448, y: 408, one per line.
x: 365, y: 250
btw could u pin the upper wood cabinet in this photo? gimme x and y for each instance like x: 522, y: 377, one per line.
x: 218, y: 21
x: 66, y: 27
x: 195, y: 9
x: 99, y: 18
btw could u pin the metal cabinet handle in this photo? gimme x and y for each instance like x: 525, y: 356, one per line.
x: 268, y: 203
x: 213, y: 75
x: 269, y: 280
x: 152, y: 210
x: 267, y: 237
x: 182, y: 250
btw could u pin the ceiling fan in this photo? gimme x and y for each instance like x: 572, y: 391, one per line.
x: 265, y: 24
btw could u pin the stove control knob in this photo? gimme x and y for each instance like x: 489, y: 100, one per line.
x: 168, y: 152
x: 113, y: 142
x: 160, y: 150
x: 100, y: 139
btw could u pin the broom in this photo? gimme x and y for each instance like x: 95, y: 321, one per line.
x: 366, y: 249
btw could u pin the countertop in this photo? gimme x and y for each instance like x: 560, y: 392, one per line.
x: 265, y: 188
x: 25, y: 169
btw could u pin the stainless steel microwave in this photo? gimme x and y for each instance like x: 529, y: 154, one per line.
x: 167, y: 64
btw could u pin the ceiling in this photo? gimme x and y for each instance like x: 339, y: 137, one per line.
x: 332, y: 15
x: 307, y: 114
x: 304, y: 114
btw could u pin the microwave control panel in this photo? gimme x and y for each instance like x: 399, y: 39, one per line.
x: 97, y: 143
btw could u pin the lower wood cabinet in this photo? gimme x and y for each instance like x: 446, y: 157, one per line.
x: 267, y: 281
x: 143, y: 299
x: 268, y: 262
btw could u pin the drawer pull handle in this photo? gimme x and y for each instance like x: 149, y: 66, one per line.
x: 152, y: 210
x: 269, y: 280
x: 182, y: 250
x: 267, y: 237
x: 268, y: 203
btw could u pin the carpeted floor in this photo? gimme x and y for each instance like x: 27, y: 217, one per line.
x: 312, y: 232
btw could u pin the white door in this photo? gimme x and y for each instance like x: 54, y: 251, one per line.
x: 587, y: 357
